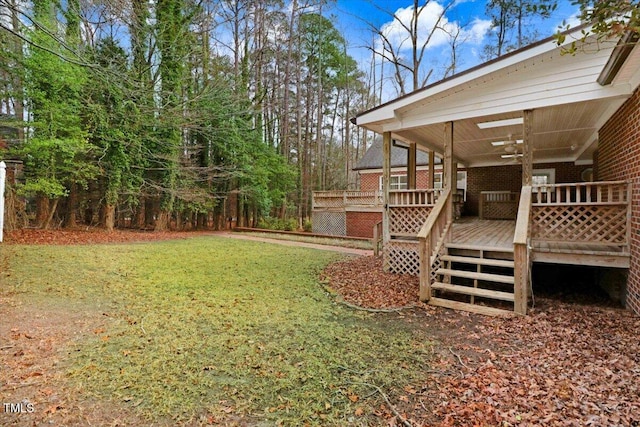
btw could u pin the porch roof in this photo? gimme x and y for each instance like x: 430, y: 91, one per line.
x: 568, y: 102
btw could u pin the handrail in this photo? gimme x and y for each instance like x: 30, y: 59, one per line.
x: 430, y: 233
x: 600, y: 192
x: 434, y: 214
x: 342, y: 199
x: 605, y: 213
x: 521, y: 251
x: 422, y: 197
x: 521, y: 234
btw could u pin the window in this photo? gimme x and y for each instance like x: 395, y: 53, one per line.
x: 397, y: 182
x: 541, y: 177
x: 462, y: 181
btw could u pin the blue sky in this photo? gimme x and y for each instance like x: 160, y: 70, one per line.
x: 352, y: 16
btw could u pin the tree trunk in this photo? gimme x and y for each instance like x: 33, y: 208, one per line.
x: 109, y: 216
x: 52, y: 211
x: 162, y: 222
x: 72, y: 206
x: 42, y: 211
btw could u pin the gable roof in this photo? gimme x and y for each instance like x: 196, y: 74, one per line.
x: 569, y: 104
x: 372, y: 158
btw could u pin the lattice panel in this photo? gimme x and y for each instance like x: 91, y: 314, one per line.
x: 333, y: 223
x: 500, y: 210
x: 595, y: 224
x: 407, y: 220
x: 402, y: 257
x: 328, y: 202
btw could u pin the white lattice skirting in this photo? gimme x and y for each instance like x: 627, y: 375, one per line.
x: 402, y: 257
x: 332, y: 223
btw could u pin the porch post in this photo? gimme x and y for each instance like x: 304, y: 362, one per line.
x: 411, y: 166
x: 432, y: 168
x: 386, y: 177
x: 450, y: 175
x: 527, y: 148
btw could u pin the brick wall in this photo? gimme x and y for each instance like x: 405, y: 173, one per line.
x: 360, y: 224
x: 618, y: 158
x: 371, y: 181
x: 509, y: 178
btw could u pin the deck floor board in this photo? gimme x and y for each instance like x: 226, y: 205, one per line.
x: 483, y: 232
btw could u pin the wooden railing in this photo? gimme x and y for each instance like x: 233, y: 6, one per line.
x: 342, y: 199
x: 590, y: 213
x: 431, y: 238
x: 414, y: 197
x: 521, y: 252
x: 408, y: 210
x: 498, y: 204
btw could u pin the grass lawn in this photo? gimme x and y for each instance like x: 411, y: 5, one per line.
x: 217, y: 330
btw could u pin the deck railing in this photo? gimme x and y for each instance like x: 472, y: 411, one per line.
x: 431, y: 238
x: 498, y: 204
x: 343, y: 199
x: 408, y: 210
x: 426, y: 197
x: 590, y: 213
x: 521, y: 252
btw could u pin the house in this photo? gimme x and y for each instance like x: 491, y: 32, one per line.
x: 551, y: 146
x: 356, y: 213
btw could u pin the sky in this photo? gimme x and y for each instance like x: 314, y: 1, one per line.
x: 355, y: 17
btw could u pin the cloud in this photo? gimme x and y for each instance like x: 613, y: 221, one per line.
x: 434, y: 28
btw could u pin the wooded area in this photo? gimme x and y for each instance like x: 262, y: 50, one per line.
x: 163, y: 114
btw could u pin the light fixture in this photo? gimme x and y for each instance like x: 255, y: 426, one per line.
x: 509, y: 142
x: 500, y: 123
x: 511, y: 156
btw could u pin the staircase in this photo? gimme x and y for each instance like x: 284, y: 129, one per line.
x: 475, y: 278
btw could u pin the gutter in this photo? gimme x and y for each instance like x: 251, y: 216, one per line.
x: 618, y: 57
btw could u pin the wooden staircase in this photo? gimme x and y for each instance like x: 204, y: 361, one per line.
x: 475, y: 278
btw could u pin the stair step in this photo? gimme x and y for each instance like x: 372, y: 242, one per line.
x: 480, y: 261
x: 480, y: 309
x: 498, y: 278
x: 478, y: 247
x: 476, y: 292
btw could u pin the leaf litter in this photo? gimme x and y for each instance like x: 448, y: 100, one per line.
x: 564, y: 364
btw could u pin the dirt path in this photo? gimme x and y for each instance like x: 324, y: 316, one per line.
x: 352, y: 251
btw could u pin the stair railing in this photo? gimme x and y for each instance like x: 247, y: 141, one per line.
x: 431, y: 238
x: 521, y: 240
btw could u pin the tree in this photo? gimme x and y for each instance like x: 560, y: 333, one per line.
x: 57, y: 155
x: 419, y: 30
x: 608, y: 19
x: 514, y: 15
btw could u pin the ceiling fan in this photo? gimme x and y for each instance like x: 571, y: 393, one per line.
x: 509, y: 148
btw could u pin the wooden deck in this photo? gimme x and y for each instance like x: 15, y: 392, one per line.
x: 474, y: 232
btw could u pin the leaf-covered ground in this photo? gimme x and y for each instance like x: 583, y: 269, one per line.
x: 565, y: 364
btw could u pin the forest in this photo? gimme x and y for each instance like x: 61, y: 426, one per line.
x: 176, y: 114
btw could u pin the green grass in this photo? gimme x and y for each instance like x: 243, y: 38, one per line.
x: 219, y: 327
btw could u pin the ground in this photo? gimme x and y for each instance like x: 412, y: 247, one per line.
x: 567, y: 363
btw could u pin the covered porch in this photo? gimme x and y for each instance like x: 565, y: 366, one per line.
x: 533, y: 107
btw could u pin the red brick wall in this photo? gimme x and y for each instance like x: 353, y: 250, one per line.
x: 371, y: 181
x: 360, y: 224
x: 619, y: 159
x: 509, y: 178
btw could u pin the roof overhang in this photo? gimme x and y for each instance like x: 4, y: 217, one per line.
x: 568, y: 102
